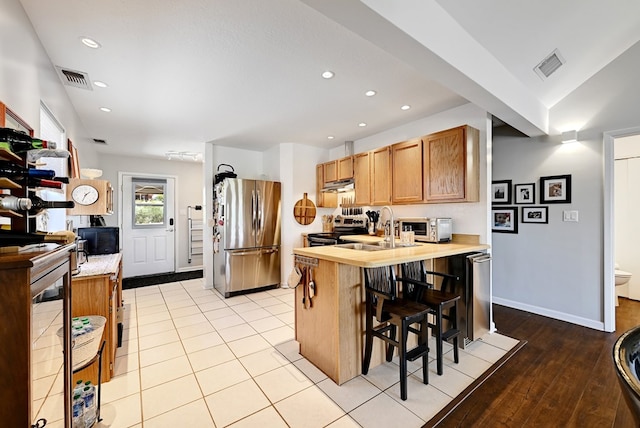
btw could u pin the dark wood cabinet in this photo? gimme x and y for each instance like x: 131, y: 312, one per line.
x: 23, y: 276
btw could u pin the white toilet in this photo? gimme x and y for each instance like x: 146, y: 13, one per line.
x: 622, y: 278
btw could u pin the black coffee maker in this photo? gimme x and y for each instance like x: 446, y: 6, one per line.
x: 97, y: 220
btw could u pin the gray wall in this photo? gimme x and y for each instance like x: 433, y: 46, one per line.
x: 558, y: 269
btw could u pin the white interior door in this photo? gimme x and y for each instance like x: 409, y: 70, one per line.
x: 148, y: 225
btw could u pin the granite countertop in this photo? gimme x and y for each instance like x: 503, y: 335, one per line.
x: 106, y: 264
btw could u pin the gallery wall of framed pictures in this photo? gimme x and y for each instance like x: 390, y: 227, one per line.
x: 553, y: 189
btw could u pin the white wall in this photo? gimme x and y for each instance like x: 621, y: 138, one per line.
x: 28, y: 77
x: 189, y: 192
x: 627, y: 205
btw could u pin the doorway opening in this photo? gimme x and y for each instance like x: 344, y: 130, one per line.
x: 621, y: 164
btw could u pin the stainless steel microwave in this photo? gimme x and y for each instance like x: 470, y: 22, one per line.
x: 426, y: 229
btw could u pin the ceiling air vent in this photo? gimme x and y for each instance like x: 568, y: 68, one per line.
x: 77, y: 79
x: 99, y: 141
x: 549, y: 65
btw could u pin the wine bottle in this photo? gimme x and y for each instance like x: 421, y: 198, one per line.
x: 10, y: 238
x: 19, y: 173
x: 19, y: 142
x: 8, y: 202
x: 41, y: 182
x: 38, y: 204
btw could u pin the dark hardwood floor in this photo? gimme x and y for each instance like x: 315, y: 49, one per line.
x: 562, y: 377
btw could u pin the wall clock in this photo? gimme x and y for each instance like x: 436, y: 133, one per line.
x: 92, y: 197
x: 84, y: 194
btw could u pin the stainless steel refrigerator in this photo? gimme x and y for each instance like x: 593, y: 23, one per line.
x: 246, y: 248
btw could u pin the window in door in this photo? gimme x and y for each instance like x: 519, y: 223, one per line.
x: 149, y: 209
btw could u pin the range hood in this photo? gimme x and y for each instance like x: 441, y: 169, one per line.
x: 339, y: 186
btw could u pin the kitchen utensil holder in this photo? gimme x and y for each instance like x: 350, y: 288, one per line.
x: 306, y: 261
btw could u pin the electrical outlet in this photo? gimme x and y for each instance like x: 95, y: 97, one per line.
x: 570, y: 216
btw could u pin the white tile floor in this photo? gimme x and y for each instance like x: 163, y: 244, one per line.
x: 192, y: 358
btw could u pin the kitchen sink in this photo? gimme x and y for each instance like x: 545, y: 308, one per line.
x: 374, y: 247
x: 361, y: 247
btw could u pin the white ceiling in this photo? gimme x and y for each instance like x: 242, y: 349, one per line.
x: 246, y: 73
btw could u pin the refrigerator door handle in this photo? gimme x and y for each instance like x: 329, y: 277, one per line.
x: 259, y: 213
x: 253, y: 211
x: 245, y: 253
x: 269, y: 250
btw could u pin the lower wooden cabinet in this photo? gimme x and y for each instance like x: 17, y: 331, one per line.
x: 99, y: 292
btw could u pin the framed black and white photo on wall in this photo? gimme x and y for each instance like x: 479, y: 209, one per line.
x: 525, y: 193
x: 535, y: 215
x: 555, y: 189
x: 504, y: 219
x: 501, y: 192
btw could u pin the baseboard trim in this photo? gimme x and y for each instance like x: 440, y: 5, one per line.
x: 562, y: 316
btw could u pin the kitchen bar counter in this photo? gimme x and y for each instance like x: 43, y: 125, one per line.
x: 386, y: 257
x: 331, y: 330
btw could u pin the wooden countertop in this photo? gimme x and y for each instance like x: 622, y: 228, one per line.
x: 96, y: 265
x: 386, y: 257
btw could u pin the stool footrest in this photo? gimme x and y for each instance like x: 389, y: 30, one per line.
x: 417, y: 352
x: 450, y: 333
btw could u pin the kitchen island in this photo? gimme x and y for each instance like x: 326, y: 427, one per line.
x: 331, y: 329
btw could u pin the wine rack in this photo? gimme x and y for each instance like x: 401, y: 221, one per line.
x: 20, y: 222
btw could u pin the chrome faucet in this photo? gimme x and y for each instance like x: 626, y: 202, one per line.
x: 389, y: 236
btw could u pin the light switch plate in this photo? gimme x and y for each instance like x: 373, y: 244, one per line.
x: 570, y: 215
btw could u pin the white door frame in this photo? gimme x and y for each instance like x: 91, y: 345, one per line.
x: 121, y: 175
x: 609, y: 301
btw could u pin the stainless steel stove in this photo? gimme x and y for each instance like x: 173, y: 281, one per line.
x: 342, y: 225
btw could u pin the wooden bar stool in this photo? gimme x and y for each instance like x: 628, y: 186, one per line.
x: 442, y: 303
x: 392, y: 313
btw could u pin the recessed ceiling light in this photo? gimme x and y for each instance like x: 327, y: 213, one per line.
x: 405, y: 107
x: 105, y: 109
x: 370, y: 93
x: 362, y: 124
x: 100, y: 84
x: 330, y: 137
x: 328, y: 74
x: 90, y: 43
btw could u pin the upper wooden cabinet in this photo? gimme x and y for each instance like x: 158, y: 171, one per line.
x: 362, y: 178
x: 330, y: 170
x: 407, y: 172
x: 451, y: 165
x: 345, y: 168
x: 381, y: 176
x: 324, y: 200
